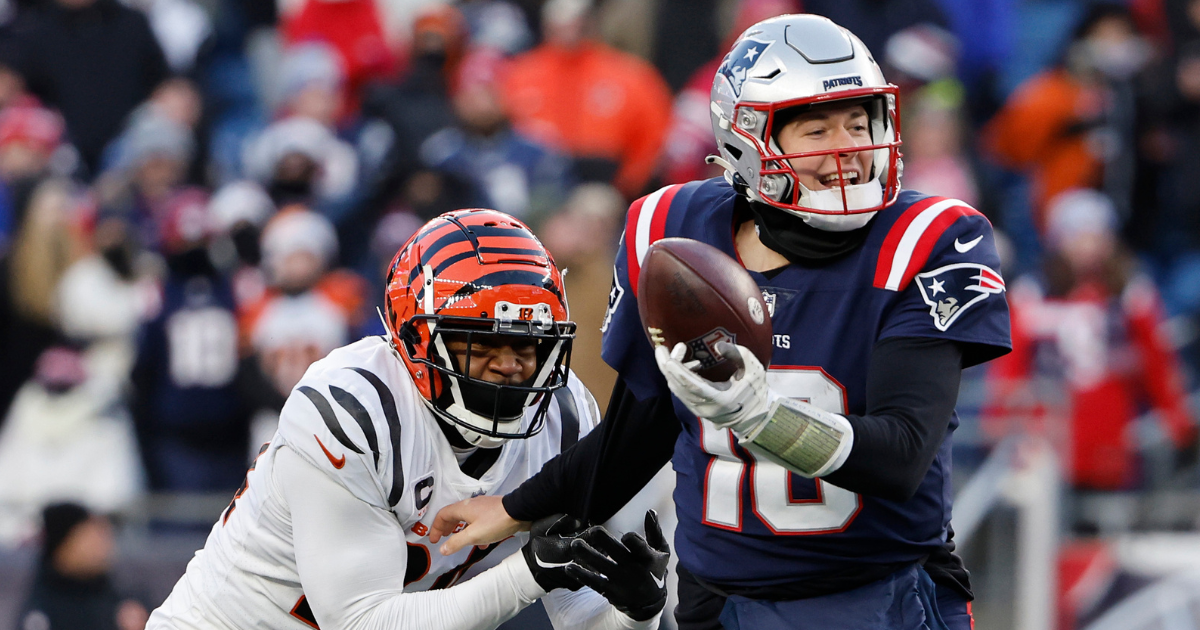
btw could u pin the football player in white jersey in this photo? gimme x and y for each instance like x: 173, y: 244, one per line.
x: 469, y: 393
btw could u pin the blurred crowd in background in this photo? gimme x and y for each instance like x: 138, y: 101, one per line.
x: 198, y: 198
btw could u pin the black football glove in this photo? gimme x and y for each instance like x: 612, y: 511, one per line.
x: 630, y: 573
x: 548, y: 552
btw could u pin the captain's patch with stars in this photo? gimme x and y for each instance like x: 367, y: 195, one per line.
x: 740, y: 60
x: 951, y: 290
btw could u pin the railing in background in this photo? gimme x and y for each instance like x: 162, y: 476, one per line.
x: 1023, y: 473
x: 1172, y: 604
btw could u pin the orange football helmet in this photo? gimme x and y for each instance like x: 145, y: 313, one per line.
x: 468, y: 274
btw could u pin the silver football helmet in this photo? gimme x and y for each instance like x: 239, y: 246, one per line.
x: 791, y: 61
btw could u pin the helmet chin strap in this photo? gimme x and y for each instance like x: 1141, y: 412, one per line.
x: 475, y: 438
x: 857, y: 196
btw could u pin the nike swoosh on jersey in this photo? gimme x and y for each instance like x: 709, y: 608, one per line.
x: 660, y: 582
x: 336, y: 461
x: 968, y: 246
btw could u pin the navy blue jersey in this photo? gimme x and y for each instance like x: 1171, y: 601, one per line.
x: 928, y: 268
x: 191, y: 418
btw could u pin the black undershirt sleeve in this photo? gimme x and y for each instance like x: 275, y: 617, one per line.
x: 600, y: 474
x: 907, y: 416
x: 912, y: 386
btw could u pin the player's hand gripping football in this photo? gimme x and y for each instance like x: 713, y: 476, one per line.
x: 630, y: 573
x: 549, y: 552
x: 733, y: 404
x: 794, y: 434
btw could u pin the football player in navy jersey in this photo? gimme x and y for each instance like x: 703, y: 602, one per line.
x: 813, y: 493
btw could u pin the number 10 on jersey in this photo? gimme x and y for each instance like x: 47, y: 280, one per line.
x: 770, y: 484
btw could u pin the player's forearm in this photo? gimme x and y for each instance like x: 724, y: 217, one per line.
x: 617, y: 459
x: 912, y: 387
x: 483, y: 602
x: 351, y: 559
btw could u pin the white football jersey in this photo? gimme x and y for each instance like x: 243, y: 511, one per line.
x: 357, y: 417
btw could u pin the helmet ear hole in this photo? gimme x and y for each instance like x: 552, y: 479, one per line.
x: 734, y: 151
x: 410, y: 338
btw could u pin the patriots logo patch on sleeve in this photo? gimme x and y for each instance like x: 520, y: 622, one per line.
x: 615, y: 292
x: 951, y: 290
x: 740, y: 60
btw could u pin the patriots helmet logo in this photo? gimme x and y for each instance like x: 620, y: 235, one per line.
x: 740, y: 60
x: 951, y: 290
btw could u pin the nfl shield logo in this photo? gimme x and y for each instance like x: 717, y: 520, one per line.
x: 704, y: 349
x: 769, y: 299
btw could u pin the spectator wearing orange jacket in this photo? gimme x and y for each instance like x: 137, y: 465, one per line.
x: 1060, y: 126
x: 607, y: 109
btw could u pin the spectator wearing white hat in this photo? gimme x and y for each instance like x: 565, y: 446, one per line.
x: 237, y: 213
x: 310, y: 82
x: 307, y: 310
x: 299, y: 249
x: 148, y: 164
x: 300, y: 160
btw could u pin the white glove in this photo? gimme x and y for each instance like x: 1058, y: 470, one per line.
x: 736, y: 403
x: 794, y: 434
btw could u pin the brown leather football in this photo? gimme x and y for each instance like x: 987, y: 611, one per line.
x: 694, y: 293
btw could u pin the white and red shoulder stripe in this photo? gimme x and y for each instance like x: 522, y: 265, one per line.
x: 910, y: 241
x: 646, y: 223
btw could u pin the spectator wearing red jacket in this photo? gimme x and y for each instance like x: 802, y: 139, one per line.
x: 1093, y: 326
x: 354, y: 29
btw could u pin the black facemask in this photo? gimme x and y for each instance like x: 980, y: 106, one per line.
x: 798, y: 241
x: 504, y: 405
x: 284, y: 192
x: 245, y: 241
x: 120, y: 258
x: 191, y: 262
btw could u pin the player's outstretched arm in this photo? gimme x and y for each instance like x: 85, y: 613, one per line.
x: 885, y: 452
x: 351, y: 558
x: 593, y: 479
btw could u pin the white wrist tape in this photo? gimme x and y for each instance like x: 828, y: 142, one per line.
x: 802, y: 438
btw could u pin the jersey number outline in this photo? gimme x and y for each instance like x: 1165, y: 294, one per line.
x: 245, y: 486
x: 830, y: 512
x: 420, y: 554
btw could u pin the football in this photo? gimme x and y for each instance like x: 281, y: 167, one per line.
x: 696, y: 294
